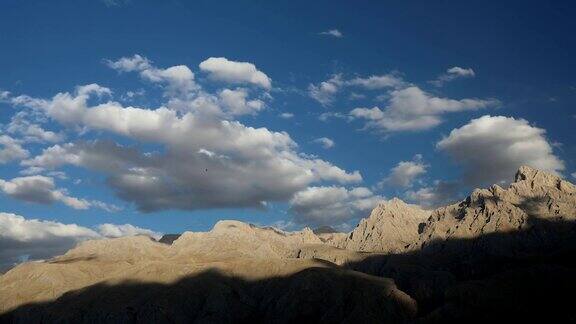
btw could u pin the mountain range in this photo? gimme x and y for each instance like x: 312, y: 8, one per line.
x: 500, y: 254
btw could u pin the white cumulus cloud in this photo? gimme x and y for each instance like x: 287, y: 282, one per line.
x: 325, y: 91
x: 179, y: 78
x: 236, y: 103
x: 405, y: 173
x: 440, y: 193
x: 249, y: 165
x: 11, y: 149
x: 491, y: 148
x: 42, y: 190
x: 332, y: 205
x: 412, y: 109
x: 222, y: 69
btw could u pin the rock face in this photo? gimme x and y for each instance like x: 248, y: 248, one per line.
x: 533, y: 201
x: 493, y: 255
x: 392, y: 226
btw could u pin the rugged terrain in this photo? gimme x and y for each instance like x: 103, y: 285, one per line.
x: 500, y: 254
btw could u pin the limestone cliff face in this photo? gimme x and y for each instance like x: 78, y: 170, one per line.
x: 532, y: 201
x: 391, y: 227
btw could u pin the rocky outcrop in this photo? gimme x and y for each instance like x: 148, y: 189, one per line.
x: 493, y: 255
x: 391, y: 227
x: 532, y: 202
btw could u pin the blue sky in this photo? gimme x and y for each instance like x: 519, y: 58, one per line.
x: 425, y: 100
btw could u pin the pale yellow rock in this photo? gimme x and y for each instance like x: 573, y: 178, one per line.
x: 534, y: 196
x: 237, y: 268
x: 234, y: 239
x: 391, y: 227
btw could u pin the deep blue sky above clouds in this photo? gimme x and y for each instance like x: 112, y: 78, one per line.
x: 341, y: 104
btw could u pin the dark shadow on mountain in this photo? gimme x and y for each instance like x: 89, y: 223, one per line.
x: 313, y: 295
x: 518, y: 275
x: 527, y: 275
x: 169, y: 238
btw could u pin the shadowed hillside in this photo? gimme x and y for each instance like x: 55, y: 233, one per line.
x: 447, y: 283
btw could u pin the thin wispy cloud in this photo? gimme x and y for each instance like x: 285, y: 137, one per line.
x: 325, y: 142
x: 332, y: 33
x: 453, y: 73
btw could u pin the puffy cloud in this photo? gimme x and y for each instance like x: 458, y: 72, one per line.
x: 325, y: 92
x: 179, y: 79
x: 11, y: 149
x: 441, y: 193
x: 332, y: 32
x: 411, y: 109
x: 30, y: 131
x: 332, y: 205
x: 222, y: 69
x: 203, y: 160
x: 25, y: 239
x: 236, y: 104
x: 31, y: 239
x: 405, y: 172
x: 112, y: 230
x: 453, y: 73
x: 42, y: 190
x: 135, y: 63
x: 286, y: 115
x: 491, y: 148
x: 245, y: 167
x: 325, y: 142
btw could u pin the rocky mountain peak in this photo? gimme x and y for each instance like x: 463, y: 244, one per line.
x: 534, y: 198
x: 391, y: 227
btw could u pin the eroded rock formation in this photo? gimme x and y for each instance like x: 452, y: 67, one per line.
x: 391, y: 227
